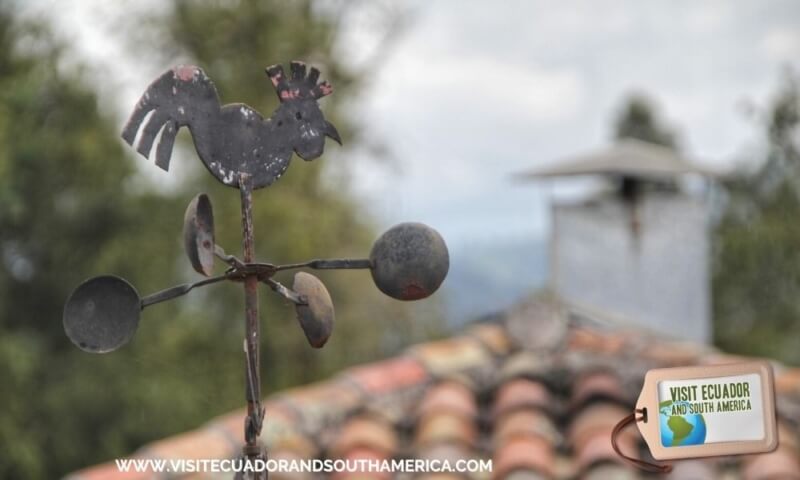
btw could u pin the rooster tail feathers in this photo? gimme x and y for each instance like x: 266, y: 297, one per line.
x: 173, y: 100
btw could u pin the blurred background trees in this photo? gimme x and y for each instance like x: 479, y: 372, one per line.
x: 73, y: 205
x: 757, y: 242
x: 65, y: 211
x: 639, y: 119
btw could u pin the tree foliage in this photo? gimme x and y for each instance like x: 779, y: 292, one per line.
x: 65, y: 214
x: 757, y: 259
x: 638, y: 119
x: 72, y: 206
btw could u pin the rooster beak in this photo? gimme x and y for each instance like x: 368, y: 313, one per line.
x: 330, y: 131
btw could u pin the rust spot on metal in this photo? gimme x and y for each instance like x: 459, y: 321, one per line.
x: 198, y: 234
x: 325, y: 88
x: 186, y: 72
x: 414, y: 292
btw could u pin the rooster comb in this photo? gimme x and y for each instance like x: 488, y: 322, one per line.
x: 302, y: 85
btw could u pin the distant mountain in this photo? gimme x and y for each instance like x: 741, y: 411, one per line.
x: 486, y: 277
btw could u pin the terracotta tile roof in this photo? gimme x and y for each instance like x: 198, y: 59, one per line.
x: 542, y: 408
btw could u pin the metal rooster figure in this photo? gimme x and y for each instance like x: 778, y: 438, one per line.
x: 234, y: 140
x: 242, y: 149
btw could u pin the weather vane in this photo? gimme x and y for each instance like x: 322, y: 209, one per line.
x: 244, y: 150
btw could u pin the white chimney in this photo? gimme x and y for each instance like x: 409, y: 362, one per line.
x: 637, y: 253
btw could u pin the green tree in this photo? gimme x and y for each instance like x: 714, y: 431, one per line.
x: 72, y: 206
x: 638, y: 119
x: 757, y: 260
x: 65, y: 214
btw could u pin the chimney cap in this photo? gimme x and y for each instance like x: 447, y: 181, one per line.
x: 628, y: 157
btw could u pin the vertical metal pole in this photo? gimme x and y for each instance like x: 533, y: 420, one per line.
x: 252, y: 430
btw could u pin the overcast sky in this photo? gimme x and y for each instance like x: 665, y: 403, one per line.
x: 474, y: 91
x: 478, y: 90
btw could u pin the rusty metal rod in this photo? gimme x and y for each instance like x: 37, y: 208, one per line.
x: 330, y: 264
x: 183, y: 289
x: 286, y: 293
x: 234, y: 262
x: 252, y: 325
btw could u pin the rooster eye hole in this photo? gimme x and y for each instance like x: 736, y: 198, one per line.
x: 280, y: 123
x: 298, y: 116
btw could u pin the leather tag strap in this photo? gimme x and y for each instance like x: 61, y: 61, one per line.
x: 641, y: 464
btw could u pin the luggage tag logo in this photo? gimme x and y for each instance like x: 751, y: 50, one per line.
x: 705, y: 411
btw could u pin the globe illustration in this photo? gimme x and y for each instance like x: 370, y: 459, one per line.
x: 680, y: 430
